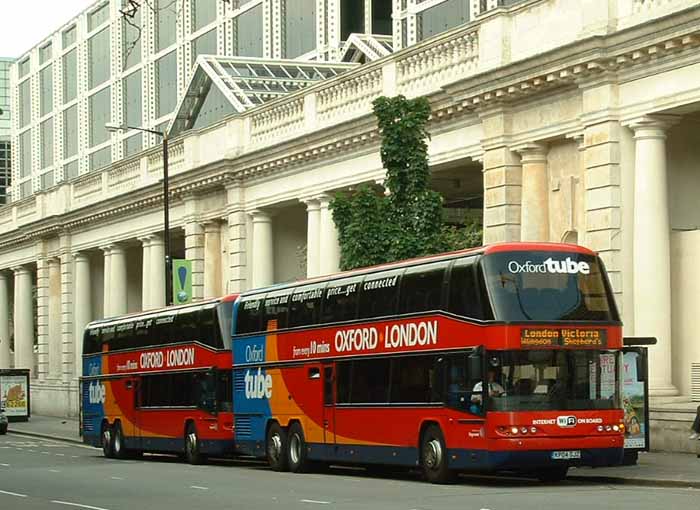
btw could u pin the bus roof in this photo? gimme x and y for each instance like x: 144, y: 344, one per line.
x: 485, y: 250
x: 118, y: 318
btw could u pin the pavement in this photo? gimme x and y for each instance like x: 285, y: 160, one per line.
x: 680, y: 470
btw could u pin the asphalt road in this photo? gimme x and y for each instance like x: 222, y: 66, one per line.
x: 43, y: 474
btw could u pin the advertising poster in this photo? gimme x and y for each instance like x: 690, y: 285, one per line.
x: 182, y: 281
x: 633, y: 402
x: 14, y: 395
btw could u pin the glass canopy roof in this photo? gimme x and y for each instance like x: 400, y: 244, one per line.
x: 366, y: 47
x: 223, y: 86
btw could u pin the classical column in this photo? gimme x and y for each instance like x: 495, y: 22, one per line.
x: 502, y: 195
x: 54, y: 315
x: 313, y: 238
x: 83, y: 306
x: 67, y: 319
x: 329, y: 250
x: 24, y: 320
x: 117, y: 281
x: 157, y: 292
x: 263, y: 262
x: 42, y: 314
x: 194, y: 252
x: 652, y: 249
x: 145, y: 272
x: 106, y: 281
x: 4, y: 321
x: 235, y: 232
x: 212, y: 259
x: 534, y: 212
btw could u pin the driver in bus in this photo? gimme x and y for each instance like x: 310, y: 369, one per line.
x: 495, y: 388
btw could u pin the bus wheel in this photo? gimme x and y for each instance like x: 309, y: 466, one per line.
x: 107, y: 444
x: 192, y: 452
x: 276, y: 448
x: 552, y: 474
x: 118, y: 442
x: 298, y: 461
x: 433, y: 454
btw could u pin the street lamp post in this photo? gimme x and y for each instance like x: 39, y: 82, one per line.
x: 166, y: 206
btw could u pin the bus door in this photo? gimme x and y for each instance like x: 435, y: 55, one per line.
x: 130, y: 412
x: 328, y: 403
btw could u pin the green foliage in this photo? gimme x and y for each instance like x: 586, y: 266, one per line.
x: 409, y: 222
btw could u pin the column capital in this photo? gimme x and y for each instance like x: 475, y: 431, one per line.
x: 324, y: 199
x: 155, y: 240
x: 532, y: 152
x: 81, y: 256
x: 20, y: 270
x: 651, y: 126
x: 211, y: 226
x: 312, y: 203
x: 260, y: 216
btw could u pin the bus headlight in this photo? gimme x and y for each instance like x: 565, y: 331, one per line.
x: 514, y: 430
x: 616, y: 428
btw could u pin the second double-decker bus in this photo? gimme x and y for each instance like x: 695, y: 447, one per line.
x: 502, y: 358
x: 160, y: 381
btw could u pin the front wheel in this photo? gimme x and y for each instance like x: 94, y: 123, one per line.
x: 553, y: 474
x: 107, y: 442
x: 192, y: 448
x: 296, y: 451
x: 434, y: 456
x: 276, y: 448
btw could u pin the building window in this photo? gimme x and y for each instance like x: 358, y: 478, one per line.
x: 132, y: 99
x: 442, y: 17
x: 44, y: 53
x: 5, y: 170
x: 46, y: 84
x: 133, y: 144
x: 352, y: 18
x: 25, y: 159
x: 70, y: 76
x: 299, y: 27
x: 203, y: 13
x: 99, y: 59
x: 166, y: 23
x: 70, y: 170
x: 205, y: 44
x: 381, y: 17
x: 68, y: 37
x: 166, y: 78
x: 47, y: 143
x: 24, y: 67
x: 25, y: 189
x: 97, y: 17
x: 47, y: 180
x: 25, y: 103
x: 132, y: 40
x: 248, y: 29
x: 99, y: 116
x: 70, y: 132
x: 100, y: 158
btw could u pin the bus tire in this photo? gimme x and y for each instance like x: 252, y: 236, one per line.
x: 276, y: 448
x: 433, y: 456
x: 552, y: 474
x: 107, y: 441
x: 118, y: 449
x: 297, y: 454
x: 193, y: 455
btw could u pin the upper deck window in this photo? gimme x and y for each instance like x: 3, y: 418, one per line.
x: 548, y: 286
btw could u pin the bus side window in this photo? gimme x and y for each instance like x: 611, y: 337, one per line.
x: 305, y: 306
x: 249, y: 315
x: 187, y: 326
x: 340, y: 300
x: 463, y: 291
x: 379, y: 294
x: 209, y: 331
x: 343, y: 372
x: 276, y: 308
x: 421, y: 288
x: 91, y: 341
x: 162, y: 331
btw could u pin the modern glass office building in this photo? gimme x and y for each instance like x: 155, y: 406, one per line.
x: 114, y: 64
x: 5, y: 152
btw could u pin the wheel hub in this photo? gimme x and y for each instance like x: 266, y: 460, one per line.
x: 275, y: 447
x: 433, y: 454
x: 295, y: 448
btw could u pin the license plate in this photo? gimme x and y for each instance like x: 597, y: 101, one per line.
x: 567, y: 454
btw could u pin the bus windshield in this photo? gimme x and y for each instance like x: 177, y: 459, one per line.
x: 548, y: 286
x: 555, y: 380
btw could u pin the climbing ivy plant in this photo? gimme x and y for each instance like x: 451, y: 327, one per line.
x: 408, y: 221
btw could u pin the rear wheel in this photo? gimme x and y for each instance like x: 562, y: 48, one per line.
x: 552, y: 474
x: 434, y: 456
x: 118, y: 448
x: 276, y: 448
x: 192, y: 447
x: 3, y: 430
x: 107, y: 444
x: 297, y: 453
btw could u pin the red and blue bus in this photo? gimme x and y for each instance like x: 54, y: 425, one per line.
x: 160, y: 381
x: 501, y: 358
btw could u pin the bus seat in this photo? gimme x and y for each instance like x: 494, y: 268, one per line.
x: 523, y: 386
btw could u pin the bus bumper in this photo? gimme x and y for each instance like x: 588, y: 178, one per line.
x: 524, y: 460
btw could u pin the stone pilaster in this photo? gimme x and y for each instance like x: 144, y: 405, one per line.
x: 194, y: 252
x: 235, y: 240
x: 66, y: 310
x: 502, y: 195
x: 42, y: 317
x: 145, y: 272
x: 54, y: 317
x: 534, y: 212
x: 5, y: 355
x: 157, y: 253
x: 212, y: 259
